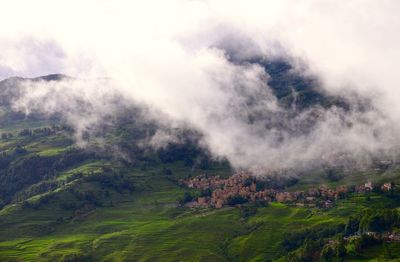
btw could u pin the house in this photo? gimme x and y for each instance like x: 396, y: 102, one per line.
x: 313, y: 192
x: 368, y: 186
x: 393, y: 237
x: 328, y: 203
x: 386, y: 187
x: 286, y: 197
x: 202, y: 201
x: 238, y: 185
x: 375, y: 235
x: 310, y: 199
x: 219, y: 203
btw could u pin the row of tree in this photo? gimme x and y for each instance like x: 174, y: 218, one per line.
x: 327, y: 243
x: 372, y: 220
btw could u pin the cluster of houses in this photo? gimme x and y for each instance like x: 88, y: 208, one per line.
x: 244, y: 185
x: 388, y: 237
x: 391, y: 237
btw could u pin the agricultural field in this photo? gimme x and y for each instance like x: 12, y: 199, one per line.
x: 147, y: 223
x: 106, y: 195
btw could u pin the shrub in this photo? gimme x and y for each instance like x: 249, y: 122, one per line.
x: 236, y: 200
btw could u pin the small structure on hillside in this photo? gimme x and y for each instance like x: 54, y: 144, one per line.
x: 368, y: 186
x: 386, y: 187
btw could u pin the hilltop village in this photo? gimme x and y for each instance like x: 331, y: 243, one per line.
x: 242, y: 187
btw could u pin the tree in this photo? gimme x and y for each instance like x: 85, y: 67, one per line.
x: 310, y: 250
x: 340, y: 248
x: 206, y: 192
x: 248, y: 211
x: 236, y: 200
x: 167, y: 171
x: 25, y: 132
x: 293, y: 257
x: 187, y: 197
x: 327, y: 253
x: 351, y: 226
x: 388, y: 254
x: 357, y: 245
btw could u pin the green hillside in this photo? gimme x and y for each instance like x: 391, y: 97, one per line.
x: 95, y: 208
x: 113, y: 200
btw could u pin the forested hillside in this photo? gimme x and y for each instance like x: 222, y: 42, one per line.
x: 113, y: 199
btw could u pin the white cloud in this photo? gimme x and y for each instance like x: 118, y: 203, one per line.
x: 168, y: 54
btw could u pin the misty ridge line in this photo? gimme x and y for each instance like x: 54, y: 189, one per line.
x: 216, y: 67
x: 247, y: 125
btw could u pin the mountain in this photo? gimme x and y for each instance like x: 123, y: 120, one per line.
x: 115, y: 200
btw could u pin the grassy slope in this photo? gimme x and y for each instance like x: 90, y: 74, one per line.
x: 147, y: 225
x: 140, y: 230
x: 317, y: 178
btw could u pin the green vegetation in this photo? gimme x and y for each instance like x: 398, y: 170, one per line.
x: 117, y: 201
x: 82, y: 206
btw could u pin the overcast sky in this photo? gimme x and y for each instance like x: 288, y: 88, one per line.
x: 172, y: 55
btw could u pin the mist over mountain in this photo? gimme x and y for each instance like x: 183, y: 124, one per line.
x: 283, y: 120
x: 200, y: 130
x: 263, y: 93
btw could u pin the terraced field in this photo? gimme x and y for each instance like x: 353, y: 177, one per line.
x: 148, y: 226
x: 83, y: 205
